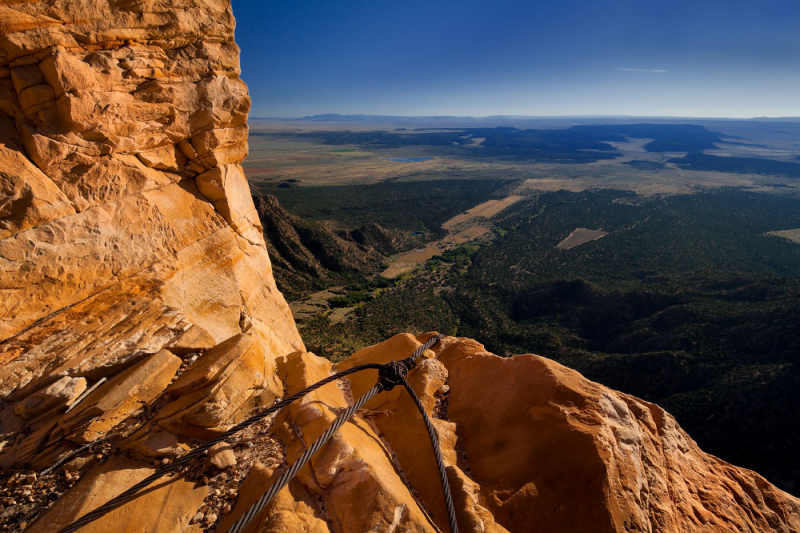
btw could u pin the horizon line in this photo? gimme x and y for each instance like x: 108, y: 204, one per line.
x: 584, y: 116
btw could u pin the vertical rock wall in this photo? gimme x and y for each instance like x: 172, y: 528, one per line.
x: 129, y: 243
x: 122, y: 130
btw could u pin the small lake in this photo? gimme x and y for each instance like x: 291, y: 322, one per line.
x: 408, y: 159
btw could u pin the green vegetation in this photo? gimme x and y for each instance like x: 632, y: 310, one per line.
x: 456, y: 257
x: 578, y: 144
x: 739, y: 165
x: 409, y: 206
x: 649, y: 166
x: 685, y: 303
x: 351, y: 299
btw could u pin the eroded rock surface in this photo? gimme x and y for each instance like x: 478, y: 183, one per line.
x: 129, y: 243
x: 139, y: 313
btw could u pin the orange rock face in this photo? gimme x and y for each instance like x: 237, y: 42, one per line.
x: 123, y: 126
x: 126, y: 225
x: 553, y: 451
x: 137, y: 305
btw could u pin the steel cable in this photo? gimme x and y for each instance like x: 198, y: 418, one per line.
x: 448, y: 498
x: 289, y: 474
x: 184, y: 459
x: 390, y: 374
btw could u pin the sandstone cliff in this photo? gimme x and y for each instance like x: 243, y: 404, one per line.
x: 138, y: 305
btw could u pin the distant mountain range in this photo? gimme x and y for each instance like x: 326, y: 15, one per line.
x: 336, y: 117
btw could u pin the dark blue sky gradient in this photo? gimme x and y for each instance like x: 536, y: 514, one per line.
x: 726, y: 58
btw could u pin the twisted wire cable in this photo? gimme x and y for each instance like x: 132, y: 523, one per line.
x: 390, y: 374
x: 70, y: 456
x: 448, y: 498
x: 425, y: 346
x: 184, y: 459
x: 289, y: 474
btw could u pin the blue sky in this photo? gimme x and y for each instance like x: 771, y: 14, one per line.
x: 710, y: 58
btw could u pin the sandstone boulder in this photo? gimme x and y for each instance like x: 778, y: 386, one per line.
x: 222, y: 456
x: 166, y: 505
x: 120, y: 397
x: 554, y: 451
x: 221, y: 387
x: 61, y: 393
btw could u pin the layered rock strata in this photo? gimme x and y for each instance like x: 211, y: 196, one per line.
x: 139, y: 311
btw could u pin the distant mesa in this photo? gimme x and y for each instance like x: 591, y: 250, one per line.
x: 737, y: 165
x: 577, y: 144
x: 408, y: 159
x: 336, y: 117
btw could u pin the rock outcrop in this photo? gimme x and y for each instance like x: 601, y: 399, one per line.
x: 140, y: 316
x: 129, y: 242
x: 307, y: 256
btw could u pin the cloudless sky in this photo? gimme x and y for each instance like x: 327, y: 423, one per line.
x: 720, y: 58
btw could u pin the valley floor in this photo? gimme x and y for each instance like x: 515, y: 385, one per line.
x: 679, y: 286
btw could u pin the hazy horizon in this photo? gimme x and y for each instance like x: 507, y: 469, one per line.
x: 717, y: 58
x: 517, y: 116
